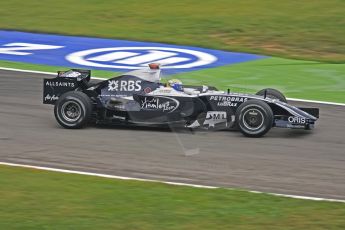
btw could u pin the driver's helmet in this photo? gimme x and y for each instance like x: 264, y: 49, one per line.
x: 175, y: 84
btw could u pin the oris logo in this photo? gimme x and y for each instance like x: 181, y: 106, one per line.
x: 138, y: 57
x: 298, y: 120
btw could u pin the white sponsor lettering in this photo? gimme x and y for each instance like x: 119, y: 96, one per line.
x: 227, y: 100
x: 160, y: 103
x: 215, y: 117
x: 60, y: 84
x: 72, y: 74
x: 137, y: 57
x: 298, y: 120
x: 18, y: 48
x: 226, y: 103
x: 124, y: 85
x: 50, y: 98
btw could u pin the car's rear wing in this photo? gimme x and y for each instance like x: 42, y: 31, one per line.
x: 64, y: 82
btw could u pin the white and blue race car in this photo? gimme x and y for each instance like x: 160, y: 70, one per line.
x: 139, y: 98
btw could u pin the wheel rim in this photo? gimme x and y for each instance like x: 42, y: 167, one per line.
x: 253, y: 119
x: 71, y: 111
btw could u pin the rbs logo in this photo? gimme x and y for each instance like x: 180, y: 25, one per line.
x: 123, y: 85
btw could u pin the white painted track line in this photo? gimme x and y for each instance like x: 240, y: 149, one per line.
x: 317, y: 102
x: 39, y: 72
x: 158, y: 181
x: 97, y: 78
x: 102, y: 175
x: 27, y: 71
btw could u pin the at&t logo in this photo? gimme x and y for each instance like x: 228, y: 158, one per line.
x: 138, y: 57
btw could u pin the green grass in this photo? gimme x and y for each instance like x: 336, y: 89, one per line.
x: 298, y: 79
x: 295, y: 29
x: 33, y: 199
x: 312, y: 30
x: 46, y: 68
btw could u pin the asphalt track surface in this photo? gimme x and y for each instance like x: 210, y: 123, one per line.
x: 295, y: 162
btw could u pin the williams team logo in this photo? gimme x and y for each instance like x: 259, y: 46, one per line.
x: 138, y: 57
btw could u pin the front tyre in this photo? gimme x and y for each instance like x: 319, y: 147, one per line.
x: 254, y: 118
x: 272, y: 93
x: 73, y: 110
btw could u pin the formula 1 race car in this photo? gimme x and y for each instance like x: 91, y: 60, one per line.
x: 139, y: 98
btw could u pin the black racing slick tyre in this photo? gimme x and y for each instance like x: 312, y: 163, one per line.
x: 73, y: 110
x: 254, y: 118
x: 272, y: 93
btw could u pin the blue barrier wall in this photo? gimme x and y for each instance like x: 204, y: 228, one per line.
x: 109, y: 54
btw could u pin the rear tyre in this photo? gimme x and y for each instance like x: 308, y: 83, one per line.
x: 254, y: 118
x: 272, y: 93
x: 73, y: 110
